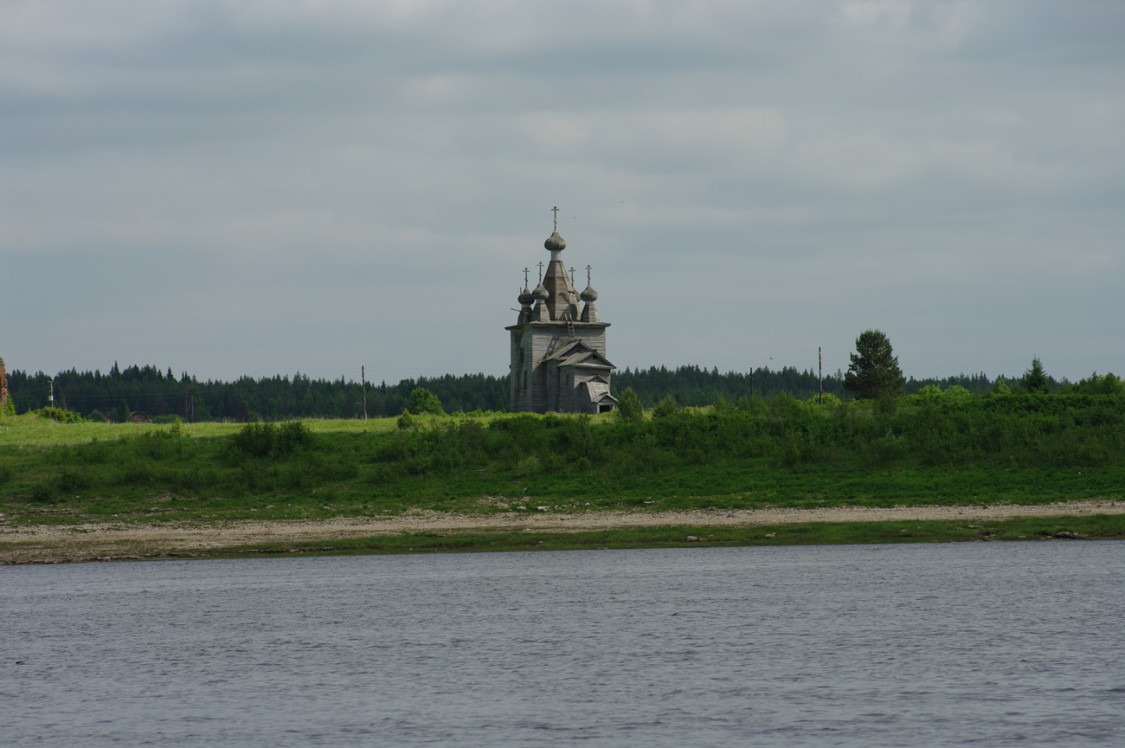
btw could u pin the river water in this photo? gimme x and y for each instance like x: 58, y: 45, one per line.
x: 991, y: 644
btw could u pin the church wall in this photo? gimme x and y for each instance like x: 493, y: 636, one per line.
x: 519, y: 383
x: 538, y: 341
x: 545, y: 391
x: 553, y: 386
x: 539, y: 395
x: 567, y: 401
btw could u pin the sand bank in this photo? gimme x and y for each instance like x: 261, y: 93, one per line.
x: 95, y: 542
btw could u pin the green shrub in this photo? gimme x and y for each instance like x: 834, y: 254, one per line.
x: 135, y: 472
x: 60, y: 415
x: 827, y: 400
x: 70, y: 481
x: 528, y: 466
x: 255, y: 439
x: 265, y: 440
x: 157, y: 444
x: 407, y: 422
x: 423, y: 401
x: 45, y: 492
x: 93, y: 452
x: 629, y: 406
x: 291, y: 437
x: 1107, y: 384
x: 666, y: 407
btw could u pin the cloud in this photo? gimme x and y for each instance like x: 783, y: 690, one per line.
x: 261, y: 187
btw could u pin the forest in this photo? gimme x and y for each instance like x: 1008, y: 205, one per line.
x: 162, y: 395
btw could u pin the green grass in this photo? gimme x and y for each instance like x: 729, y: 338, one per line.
x: 782, y: 453
x: 31, y: 431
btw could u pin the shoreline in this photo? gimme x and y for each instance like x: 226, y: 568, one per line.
x: 48, y: 544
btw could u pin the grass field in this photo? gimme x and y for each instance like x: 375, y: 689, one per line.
x: 782, y: 453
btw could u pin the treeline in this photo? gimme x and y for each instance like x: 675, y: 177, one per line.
x: 116, y: 394
x: 696, y: 386
x: 119, y: 392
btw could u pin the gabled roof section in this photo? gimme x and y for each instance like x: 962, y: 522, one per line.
x: 578, y: 353
x: 598, y: 391
x: 592, y: 360
x: 567, y: 348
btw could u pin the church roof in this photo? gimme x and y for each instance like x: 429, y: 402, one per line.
x: 556, y: 298
x: 562, y: 299
x: 578, y: 353
x: 598, y: 391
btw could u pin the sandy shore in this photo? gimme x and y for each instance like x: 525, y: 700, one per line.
x: 98, y: 542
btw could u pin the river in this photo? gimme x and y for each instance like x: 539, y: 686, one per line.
x: 991, y: 644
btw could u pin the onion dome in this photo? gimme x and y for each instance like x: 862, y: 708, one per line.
x: 589, y: 295
x: 525, y: 298
x: 540, y: 293
x: 555, y: 243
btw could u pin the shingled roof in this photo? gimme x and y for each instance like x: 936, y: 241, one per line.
x: 578, y: 353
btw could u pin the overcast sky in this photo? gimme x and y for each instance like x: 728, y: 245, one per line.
x: 269, y: 187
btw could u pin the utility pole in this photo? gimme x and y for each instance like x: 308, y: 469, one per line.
x: 751, y: 382
x: 52, y: 396
x: 363, y: 382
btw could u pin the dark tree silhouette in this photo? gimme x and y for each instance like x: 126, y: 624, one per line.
x: 1035, y: 379
x: 874, y: 372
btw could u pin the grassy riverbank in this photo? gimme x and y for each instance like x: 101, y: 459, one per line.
x: 1011, y: 449
x: 589, y: 531
x: 1100, y: 527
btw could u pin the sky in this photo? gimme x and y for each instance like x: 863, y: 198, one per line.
x: 261, y: 187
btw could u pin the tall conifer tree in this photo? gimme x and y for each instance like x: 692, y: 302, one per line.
x: 874, y: 371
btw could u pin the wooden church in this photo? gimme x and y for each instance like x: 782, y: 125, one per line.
x: 558, y: 359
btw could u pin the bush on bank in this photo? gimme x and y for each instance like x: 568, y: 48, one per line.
x: 925, y: 448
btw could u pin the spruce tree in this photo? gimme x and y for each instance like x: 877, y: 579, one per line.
x: 874, y: 372
x: 1035, y: 379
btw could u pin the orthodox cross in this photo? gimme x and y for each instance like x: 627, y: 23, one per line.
x: 525, y: 277
x: 540, y: 271
x: 572, y: 276
x: 587, y: 275
x: 555, y: 210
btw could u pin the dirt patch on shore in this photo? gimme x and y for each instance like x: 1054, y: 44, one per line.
x: 105, y: 542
